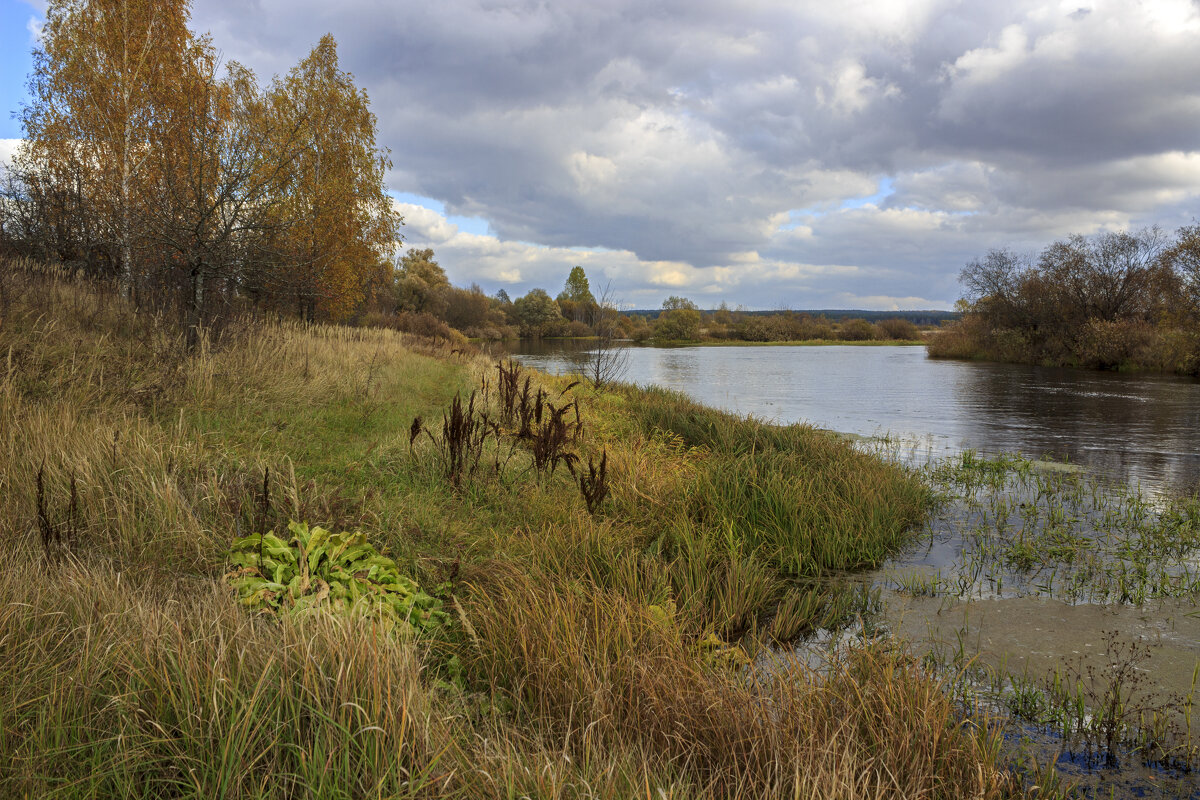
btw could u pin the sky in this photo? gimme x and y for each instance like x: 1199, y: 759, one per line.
x: 765, y: 153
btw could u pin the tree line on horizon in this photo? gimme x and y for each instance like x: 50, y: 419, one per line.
x: 1115, y: 300
x: 426, y: 303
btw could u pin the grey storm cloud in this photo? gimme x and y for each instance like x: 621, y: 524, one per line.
x: 732, y: 140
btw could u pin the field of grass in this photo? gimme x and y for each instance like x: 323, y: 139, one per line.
x: 623, y: 644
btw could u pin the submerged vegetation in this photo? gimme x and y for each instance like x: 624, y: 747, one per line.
x: 599, y: 615
x: 1020, y: 527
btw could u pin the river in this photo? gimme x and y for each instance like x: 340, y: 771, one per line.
x: 961, y: 592
x: 1139, y: 428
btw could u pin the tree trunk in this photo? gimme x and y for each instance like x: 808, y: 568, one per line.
x: 126, y: 234
x: 195, y: 308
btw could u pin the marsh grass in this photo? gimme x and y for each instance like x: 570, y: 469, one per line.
x: 797, y: 498
x: 1020, y: 527
x: 579, y: 661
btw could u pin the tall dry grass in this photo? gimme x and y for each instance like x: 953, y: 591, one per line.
x: 93, y: 392
x: 577, y: 665
x: 590, y: 669
x: 112, y: 688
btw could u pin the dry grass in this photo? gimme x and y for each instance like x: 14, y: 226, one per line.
x: 581, y: 662
x: 119, y: 689
x: 572, y: 660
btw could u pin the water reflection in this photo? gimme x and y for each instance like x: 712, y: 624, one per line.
x: 1140, y: 428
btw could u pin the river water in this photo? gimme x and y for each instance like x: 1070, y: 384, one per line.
x: 1144, y: 429
x: 1137, y: 432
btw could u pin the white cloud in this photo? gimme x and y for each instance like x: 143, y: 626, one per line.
x: 883, y: 302
x: 659, y: 143
x: 8, y: 149
x: 766, y: 282
x: 425, y: 224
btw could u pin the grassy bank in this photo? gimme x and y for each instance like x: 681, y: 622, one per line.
x: 595, y: 646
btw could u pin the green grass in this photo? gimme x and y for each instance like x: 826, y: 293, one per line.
x: 587, y: 655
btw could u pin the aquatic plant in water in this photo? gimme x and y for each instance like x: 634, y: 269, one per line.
x: 1016, y: 526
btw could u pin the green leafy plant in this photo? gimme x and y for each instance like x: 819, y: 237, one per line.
x: 337, y: 572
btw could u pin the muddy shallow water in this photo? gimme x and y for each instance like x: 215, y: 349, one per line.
x: 1031, y: 638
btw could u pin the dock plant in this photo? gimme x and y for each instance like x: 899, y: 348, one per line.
x: 316, y: 570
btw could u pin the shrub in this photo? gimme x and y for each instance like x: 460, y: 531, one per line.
x: 856, y: 330
x: 1108, y: 345
x: 962, y: 338
x: 678, y: 324
x: 579, y: 329
x: 421, y: 324
x: 898, y: 328
x: 761, y: 329
x: 427, y: 325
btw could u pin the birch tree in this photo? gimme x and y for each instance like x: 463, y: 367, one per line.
x: 105, y: 81
x: 220, y: 181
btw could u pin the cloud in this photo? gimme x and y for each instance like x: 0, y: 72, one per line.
x: 425, y: 225
x: 748, y: 277
x: 860, y: 150
x: 8, y: 149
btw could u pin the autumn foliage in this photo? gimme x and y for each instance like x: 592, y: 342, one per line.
x: 149, y: 161
x: 1117, y: 300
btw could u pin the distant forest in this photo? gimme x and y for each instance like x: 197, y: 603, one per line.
x: 924, y: 318
x: 426, y: 303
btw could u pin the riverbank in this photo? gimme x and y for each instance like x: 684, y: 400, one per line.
x: 808, y: 343
x: 1170, y: 345
x: 734, y: 342
x: 604, y: 563
x: 1144, y: 349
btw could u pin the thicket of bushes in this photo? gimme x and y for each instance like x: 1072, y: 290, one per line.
x: 1112, y: 301
x: 790, y: 326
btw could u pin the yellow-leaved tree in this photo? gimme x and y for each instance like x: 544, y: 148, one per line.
x: 105, y: 88
x: 341, y: 226
x: 219, y: 183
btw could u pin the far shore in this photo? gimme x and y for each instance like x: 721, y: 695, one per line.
x: 729, y: 342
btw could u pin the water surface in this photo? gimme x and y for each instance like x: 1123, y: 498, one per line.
x: 1136, y: 427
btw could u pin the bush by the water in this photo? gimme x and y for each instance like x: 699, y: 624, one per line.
x: 1112, y: 301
